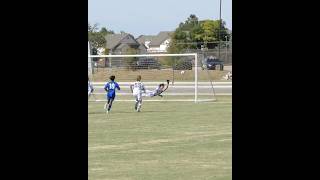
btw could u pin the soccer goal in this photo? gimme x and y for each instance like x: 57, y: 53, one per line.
x: 189, y: 81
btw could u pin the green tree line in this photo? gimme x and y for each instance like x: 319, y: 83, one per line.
x: 194, y: 34
x: 96, y: 37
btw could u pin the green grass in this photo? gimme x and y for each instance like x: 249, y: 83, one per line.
x: 166, y: 140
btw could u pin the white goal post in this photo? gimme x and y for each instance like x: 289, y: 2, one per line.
x: 195, y: 63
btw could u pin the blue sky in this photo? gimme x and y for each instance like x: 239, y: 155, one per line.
x: 148, y: 17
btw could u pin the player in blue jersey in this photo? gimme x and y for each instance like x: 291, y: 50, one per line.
x: 111, y: 87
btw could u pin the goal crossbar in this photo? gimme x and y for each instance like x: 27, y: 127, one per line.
x: 144, y: 55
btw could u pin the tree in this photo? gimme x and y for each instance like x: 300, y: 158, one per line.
x: 94, y: 51
x: 192, y: 34
x: 96, y: 37
x: 209, y: 34
x: 97, y: 40
x: 104, y: 31
x: 183, y: 36
x: 192, y: 19
x: 93, y: 28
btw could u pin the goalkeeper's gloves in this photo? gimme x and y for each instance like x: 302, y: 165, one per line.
x: 168, y: 81
x: 92, y: 90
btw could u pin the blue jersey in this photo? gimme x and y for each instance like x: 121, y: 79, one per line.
x: 111, y: 88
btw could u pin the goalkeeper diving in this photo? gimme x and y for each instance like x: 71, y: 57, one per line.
x: 158, y: 91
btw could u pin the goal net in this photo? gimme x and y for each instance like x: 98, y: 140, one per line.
x: 189, y: 81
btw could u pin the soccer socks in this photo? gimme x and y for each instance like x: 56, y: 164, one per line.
x: 136, y: 106
x: 110, y: 104
x: 139, y: 105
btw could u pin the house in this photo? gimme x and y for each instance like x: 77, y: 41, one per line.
x: 122, y: 43
x: 156, y: 44
x: 145, y: 39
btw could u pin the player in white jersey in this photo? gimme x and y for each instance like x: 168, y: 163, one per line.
x: 157, y: 92
x: 90, y: 88
x: 137, y: 88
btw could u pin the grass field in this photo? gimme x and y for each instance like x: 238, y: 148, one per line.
x: 165, y: 141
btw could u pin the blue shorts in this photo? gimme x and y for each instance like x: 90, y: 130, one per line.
x: 110, y: 97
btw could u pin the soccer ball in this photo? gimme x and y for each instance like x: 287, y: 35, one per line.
x: 182, y: 72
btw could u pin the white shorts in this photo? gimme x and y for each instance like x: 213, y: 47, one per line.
x: 138, y: 96
x: 148, y: 93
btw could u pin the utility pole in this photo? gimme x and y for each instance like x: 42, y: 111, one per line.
x: 227, y: 48
x: 219, y: 30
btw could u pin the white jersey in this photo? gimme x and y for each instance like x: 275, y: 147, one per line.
x: 155, y: 92
x: 138, y: 87
x: 89, y: 87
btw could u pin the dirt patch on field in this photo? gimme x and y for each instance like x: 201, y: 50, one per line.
x: 103, y: 74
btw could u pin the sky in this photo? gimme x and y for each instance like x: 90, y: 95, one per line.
x: 149, y: 17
